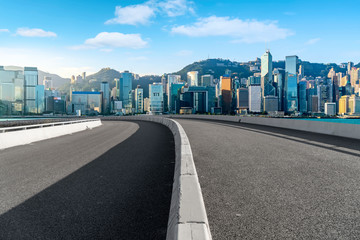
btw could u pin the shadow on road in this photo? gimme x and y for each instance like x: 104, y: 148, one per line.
x: 123, y: 194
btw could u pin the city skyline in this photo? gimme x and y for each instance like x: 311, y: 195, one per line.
x: 68, y: 38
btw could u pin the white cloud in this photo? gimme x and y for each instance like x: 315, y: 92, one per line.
x: 312, y: 41
x: 184, y: 53
x: 110, y: 40
x: 142, y: 13
x: 34, y: 32
x: 4, y: 30
x: 248, y: 31
x: 174, y: 8
x: 132, y: 15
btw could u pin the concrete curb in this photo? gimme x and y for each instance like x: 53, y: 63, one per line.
x: 33, y: 133
x: 328, y: 128
x: 187, y: 217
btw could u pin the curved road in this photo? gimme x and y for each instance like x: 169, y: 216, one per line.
x: 111, y: 182
x: 270, y: 183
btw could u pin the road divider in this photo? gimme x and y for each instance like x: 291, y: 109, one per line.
x: 187, y: 216
x: 21, y: 135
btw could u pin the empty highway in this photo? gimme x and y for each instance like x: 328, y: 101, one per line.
x: 111, y: 182
x: 270, y: 183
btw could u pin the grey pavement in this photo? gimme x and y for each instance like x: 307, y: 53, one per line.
x: 270, y: 183
x: 111, y: 182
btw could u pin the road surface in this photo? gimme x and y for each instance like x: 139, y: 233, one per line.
x: 269, y: 183
x: 111, y: 182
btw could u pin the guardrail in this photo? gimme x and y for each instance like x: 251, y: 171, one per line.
x: 25, y: 127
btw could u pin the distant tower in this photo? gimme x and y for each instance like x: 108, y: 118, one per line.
x: 72, y: 79
x: 267, y: 88
x: 291, y: 87
x: 83, y: 75
x: 47, y: 82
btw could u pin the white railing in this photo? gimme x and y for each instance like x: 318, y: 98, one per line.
x: 24, y: 127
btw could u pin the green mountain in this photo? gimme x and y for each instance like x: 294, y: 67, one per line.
x: 216, y: 67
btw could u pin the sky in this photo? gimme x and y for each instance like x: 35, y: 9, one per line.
x: 69, y: 37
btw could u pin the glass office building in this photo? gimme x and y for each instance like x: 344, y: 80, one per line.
x: 156, y: 98
x: 302, y: 97
x: 31, y: 81
x: 11, y: 92
x: 105, y: 89
x: 87, y: 102
x: 125, y: 90
x: 291, y: 87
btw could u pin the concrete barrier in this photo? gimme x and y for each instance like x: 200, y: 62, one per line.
x: 329, y: 128
x: 187, y: 217
x: 21, y: 135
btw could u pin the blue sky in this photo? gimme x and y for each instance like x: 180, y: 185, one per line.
x: 162, y: 36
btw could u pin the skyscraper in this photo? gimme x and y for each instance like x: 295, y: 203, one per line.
x: 139, y: 100
x: 302, y: 96
x: 172, y: 79
x: 267, y: 88
x: 192, y: 78
x: 207, y: 80
x: 125, y: 90
x: 11, y: 92
x: 31, y: 81
x: 255, y: 98
x: 105, y: 97
x: 226, y: 94
x: 291, y: 88
x: 156, y: 98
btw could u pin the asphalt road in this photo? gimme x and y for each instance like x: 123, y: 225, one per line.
x: 270, y: 183
x: 111, y: 182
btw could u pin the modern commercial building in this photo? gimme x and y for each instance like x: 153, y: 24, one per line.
x: 174, y: 96
x: 279, y: 82
x: 87, y: 102
x: 344, y: 105
x: 47, y: 82
x: 255, y: 98
x: 30, y: 83
x: 330, y: 109
x: 198, y: 99
x: 156, y: 98
x: 147, y: 104
x: 354, y: 104
x: 290, y: 88
x: 11, y: 92
x: 242, y: 97
x: 267, y: 88
x: 139, y: 100
x: 271, y: 104
x: 192, y: 78
x: 303, y: 96
x: 125, y: 90
x: 105, y: 89
x: 207, y: 80
x: 226, y: 94
x: 171, y: 79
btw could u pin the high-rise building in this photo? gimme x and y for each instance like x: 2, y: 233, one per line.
x: 83, y: 75
x: 72, y: 79
x: 117, y: 86
x: 105, y: 89
x: 344, y: 105
x: 279, y: 82
x: 354, y: 104
x: 267, y: 88
x: 174, y: 107
x: 30, y: 83
x: 11, y: 92
x: 192, y: 78
x: 156, y: 98
x: 147, y: 104
x: 330, y: 109
x: 87, y: 102
x: 255, y: 98
x: 302, y: 96
x: 226, y: 94
x: 197, y: 99
x: 47, y: 82
x: 271, y: 104
x: 171, y: 79
x: 207, y: 80
x: 350, y: 65
x: 242, y: 98
x: 125, y: 90
x: 139, y: 99
x: 290, y: 88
